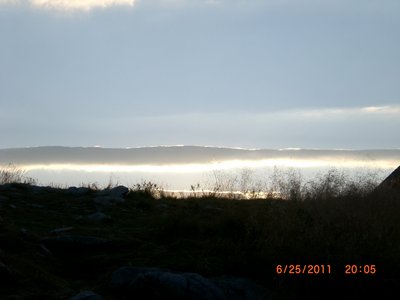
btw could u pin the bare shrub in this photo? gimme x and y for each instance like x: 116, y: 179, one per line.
x: 326, y: 185
x: 287, y: 185
x: 149, y: 189
x: 335, y: 183
x: 241, y: 184
x: 13, y: 174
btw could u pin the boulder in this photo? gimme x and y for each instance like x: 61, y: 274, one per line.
x: 118, y: 191
x: 87, y: 295
x: 111, y: 196
x: 61, y: 230
x: 154, y: 283
x: 98, y: 217
x: 75, y: 191
x: 240, y: 288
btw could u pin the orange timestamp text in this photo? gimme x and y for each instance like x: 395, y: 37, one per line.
x: 321, y: 269
x: 354, y: 269
x: 307, y: 269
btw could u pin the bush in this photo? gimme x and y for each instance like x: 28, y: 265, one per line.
x: 290, y: 185
x: 12, y: 174
x: 335, y: 183
x: 149, y: 189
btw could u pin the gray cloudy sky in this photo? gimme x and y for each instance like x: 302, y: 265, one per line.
x: 253, y: 74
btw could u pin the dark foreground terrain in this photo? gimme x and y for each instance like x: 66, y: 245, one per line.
x: 82, y: 243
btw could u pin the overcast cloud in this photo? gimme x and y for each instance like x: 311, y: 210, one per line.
x: 263, y: 74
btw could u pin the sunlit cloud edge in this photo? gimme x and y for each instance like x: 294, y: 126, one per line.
x: 212, y: 166
x: 69, y: 5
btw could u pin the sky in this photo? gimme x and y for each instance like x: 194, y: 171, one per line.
x: 235, y: 73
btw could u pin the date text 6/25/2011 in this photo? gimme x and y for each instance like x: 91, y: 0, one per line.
x: 321, y: 269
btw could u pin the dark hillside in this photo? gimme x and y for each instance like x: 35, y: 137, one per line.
x: 126, y: 244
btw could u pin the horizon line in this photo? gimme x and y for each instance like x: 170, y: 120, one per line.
x: 201, y: 146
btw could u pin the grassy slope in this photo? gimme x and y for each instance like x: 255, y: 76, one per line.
x: 209, y: 236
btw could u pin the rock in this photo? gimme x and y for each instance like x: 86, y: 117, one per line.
x: 241, y: 288
x: 98, y: 217
x: 75, y: 191
x: 111, y: 196
x: 153, y: 283
x: 87, y: 295
x: 118, y: 191
x: 108, y: 200
x: 61, y: 230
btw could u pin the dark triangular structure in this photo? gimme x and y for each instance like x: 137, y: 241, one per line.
x: 392, y: 181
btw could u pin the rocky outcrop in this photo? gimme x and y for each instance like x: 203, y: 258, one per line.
x: 77, y: 191
x: 236, y: 288
x: 111, y: 196
x: 87, y: 295
x: 156, y: 283
x: 98, y: 217
x: 118, y: 191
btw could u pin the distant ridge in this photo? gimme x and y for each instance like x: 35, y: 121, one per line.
x: 161, y: 155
